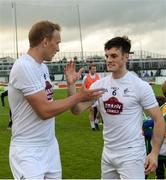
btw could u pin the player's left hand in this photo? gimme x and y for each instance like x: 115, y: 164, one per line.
x: 151, y: 163
x: 70, y: 73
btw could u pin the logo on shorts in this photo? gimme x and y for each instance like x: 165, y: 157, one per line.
x: 113, y: 106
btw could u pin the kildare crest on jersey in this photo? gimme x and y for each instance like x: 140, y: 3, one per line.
x: 113, y: 106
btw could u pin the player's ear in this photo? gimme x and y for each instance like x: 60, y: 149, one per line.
x: 45, y: 42
x: 127, y: 55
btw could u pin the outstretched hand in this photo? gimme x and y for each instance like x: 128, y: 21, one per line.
x: 70, y: 73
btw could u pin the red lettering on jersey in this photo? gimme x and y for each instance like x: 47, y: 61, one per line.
x: 113, y: 106
x: 49, y: 90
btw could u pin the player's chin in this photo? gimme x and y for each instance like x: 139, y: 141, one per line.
x: 111, y: 69
x: 50, y: 57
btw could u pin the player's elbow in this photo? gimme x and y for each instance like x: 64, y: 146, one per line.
x: 76, y: 111
x: 44, y: 114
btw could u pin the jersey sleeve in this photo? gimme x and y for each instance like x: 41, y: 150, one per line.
x: 25, y: 79
x: 147, y: 96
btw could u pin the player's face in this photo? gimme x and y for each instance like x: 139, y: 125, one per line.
x: 115, y: 59
x: 93, y: 70
x: 52, y: 45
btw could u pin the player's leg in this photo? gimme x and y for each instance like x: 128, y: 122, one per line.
x: 10, y: 119
x: 132, y: 170
x: 25, y: 162
x: 108, y: 170
x: 3, y: 95
x: 91, y: 119
x: 160, y: 170
x: 54, y: 175
x: 2, y: 100
x: 95, y: 116
x: 54, y: 170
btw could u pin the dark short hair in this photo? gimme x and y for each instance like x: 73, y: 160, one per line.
x: 41, y: 30
x: 91, y: 65
x: 122, y: 43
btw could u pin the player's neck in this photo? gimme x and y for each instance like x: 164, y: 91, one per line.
x: 34, y: 53
x: 119, y: 74
x: 92, y: 74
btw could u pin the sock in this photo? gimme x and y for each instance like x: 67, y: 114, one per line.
x: 92, y: 124
x: 96, y: 121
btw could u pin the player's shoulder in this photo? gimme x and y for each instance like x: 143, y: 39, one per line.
x: 84, y: 76
x: 22, y: 61
x: 134, y: 76
x: 137, y: 80
x: 98, y: 75
x: 23, y: 65
x: 44, y: 67
x: 138, y: 84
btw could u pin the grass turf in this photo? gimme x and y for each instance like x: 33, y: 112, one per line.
x: 80, y: 147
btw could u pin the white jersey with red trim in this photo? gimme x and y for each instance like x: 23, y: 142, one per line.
x: 28, y: 77
x: 121, y: 107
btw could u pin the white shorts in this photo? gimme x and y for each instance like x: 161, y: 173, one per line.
x: 28, y: 162
x: 126, y: 164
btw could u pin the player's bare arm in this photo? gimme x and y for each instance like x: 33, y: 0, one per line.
x: 47, y: 109
x: 157, y: 139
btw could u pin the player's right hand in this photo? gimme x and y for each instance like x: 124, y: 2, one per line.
x: 90, y: 95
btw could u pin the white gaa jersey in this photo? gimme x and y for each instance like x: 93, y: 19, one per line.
x: 121, y: 107
x: 28, y: 77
